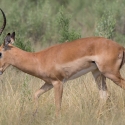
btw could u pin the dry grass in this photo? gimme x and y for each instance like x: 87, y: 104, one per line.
x: 80, y: 105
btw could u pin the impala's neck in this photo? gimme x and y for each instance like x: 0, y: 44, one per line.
x: 25, y: 61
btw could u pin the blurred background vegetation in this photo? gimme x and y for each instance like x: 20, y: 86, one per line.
x: 46, y: 22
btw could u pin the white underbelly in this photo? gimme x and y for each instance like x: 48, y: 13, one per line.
x: 81, y: 72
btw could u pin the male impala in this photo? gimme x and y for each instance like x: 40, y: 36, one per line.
x: 63, y: 62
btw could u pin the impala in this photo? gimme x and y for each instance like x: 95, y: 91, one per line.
x: 60, y: 63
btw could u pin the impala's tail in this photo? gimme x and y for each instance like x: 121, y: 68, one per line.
x: 123, y: 59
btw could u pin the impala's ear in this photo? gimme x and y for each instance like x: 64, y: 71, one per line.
x: 10, y: 38
x: 7, y: 40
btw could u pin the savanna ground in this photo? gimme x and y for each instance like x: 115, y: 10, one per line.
x: 80, y: 105
x: 43, y: 23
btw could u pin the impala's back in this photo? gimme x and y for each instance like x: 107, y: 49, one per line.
x: 73, y: 59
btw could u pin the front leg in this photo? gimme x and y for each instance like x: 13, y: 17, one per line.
x: 58, y: 89
x: 39, y: 92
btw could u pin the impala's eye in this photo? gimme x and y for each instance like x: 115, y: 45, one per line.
x: 0, y: 54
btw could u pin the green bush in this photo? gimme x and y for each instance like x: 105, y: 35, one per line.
x: 23, y: 44
x: 106, y: 26
x: 43, y: 22
x: 63, y: 23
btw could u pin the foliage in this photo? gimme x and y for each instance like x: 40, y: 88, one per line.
x: 66, y: 34
x: 22, y: 44
x: 106, y: 26
x: 37, y: 20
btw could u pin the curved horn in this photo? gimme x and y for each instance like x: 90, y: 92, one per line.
x: 4, y: 23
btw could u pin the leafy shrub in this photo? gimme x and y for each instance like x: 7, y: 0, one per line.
x: 63, y: 22
x: 106, y: 26
x: 23, y: 44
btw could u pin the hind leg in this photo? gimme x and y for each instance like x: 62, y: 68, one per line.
x: 100, y: 80
x: 116, y: 78
x: 111, y: 71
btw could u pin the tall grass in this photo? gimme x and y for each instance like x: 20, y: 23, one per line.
x: 80, y: 104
